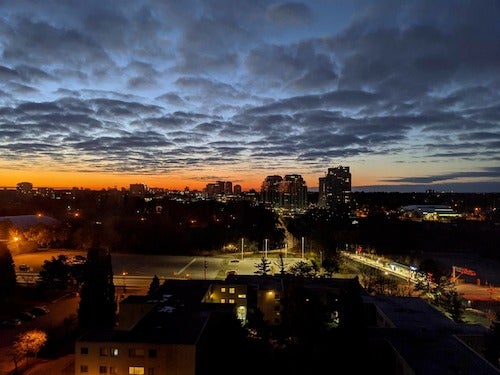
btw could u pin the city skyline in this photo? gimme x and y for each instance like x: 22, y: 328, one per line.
x: 181, y: 94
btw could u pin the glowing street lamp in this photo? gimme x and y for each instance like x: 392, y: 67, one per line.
x: 124, y: 286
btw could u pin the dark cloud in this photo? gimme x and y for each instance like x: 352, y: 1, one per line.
x: 156, y: 86
x: 290, y: 14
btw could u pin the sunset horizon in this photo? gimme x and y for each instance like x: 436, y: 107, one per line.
x: 177, y: 95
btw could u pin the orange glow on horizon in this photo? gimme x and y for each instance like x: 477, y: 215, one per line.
x: 98, y: 181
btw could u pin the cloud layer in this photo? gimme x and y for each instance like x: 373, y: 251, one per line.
x: 403, y: 92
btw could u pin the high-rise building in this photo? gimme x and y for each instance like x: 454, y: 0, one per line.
x: 269, y: 191
x: 237, y: 189
x: 335, y: 188
x: 25, y: 188
x: 293, y: 192
x: 289, y: 192
x: 138, y: 190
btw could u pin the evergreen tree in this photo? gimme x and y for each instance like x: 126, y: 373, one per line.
x: 7, y: 273
x: 492, y: 343
x: 263, y: 267
x: 97, y: 307
x: 155, y: 284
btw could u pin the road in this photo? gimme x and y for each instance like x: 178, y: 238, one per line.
x: 137, y: 271
x: 62, y: 312
x: 469, y: 291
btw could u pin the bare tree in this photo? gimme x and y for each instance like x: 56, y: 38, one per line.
x: 28, y: 344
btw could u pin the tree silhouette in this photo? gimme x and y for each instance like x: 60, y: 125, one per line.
x: 155, y: 284
x: 97, y: 307
x: 263, y: 267
x: 27, y: 344
x: 55, y: 273
x: 7, y: 273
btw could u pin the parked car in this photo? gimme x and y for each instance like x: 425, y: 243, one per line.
x: 24, y: 268
x: 39, y: 310
x: 26, y: 316
x: 12, y: 322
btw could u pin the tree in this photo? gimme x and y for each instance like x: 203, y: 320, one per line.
x: 263, y: 267
x: 28, y: 344
x: 7, y: 273
x: 303, y: 269
x: 155, y: 284
x: 97, y: 307
x: 492, y: 342
x: 55, y: 273
x: 280, y: 263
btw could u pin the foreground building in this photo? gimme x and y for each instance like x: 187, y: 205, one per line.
x: 194, y: 327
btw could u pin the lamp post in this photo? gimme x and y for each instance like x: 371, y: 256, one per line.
x: 265, y: 248
x: 303, y: 240
x: 242, y: 248
x: 124, y: 286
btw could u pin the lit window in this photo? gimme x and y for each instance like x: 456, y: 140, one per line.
x: 84, y: 368
x: 103, y: 352
x: 223, y: 290
x: 222, y: 300
x: 231, y: 290
x: 152, y: 353
x: 132, y: 370
x: 242, y: 296
x: 231, y: 300
x: 136, y: 352
x: 84, y: 350
x: 114, y: 352
x: 103, y: 369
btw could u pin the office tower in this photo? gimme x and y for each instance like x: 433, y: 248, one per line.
x: 138, y: 190
x: 269, y: 191
x: 293, y: 192
x: 25, y: 188
x: 335, y: 188
x: 228, y: 187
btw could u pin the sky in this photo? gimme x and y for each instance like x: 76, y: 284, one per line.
x: 175, y: 94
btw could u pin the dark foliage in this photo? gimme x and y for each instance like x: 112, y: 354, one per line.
x: 7, y: 273
x: 97, y: 307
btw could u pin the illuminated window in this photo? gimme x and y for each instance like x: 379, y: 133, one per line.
x: 103, y: 352
x: 84, y: 368
x: 103, y: 369
x: 132, y: 370
x: 231, y: 290
x: 223, y: 290
x: 222, y: 300
x: 231, y: 300
x: 136, y: 352
x: 84, y: 350
x: 113, y: 371
x: 152, y: 353
x: 242, y: 296
x: 114, y: 352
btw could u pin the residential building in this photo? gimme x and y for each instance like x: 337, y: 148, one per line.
x: 335, y: 188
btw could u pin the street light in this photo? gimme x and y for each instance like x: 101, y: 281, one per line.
x: 265, y: 248
x: 124, y: 286
x: 303, y: 240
